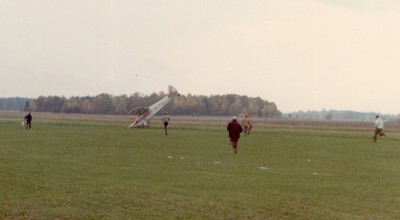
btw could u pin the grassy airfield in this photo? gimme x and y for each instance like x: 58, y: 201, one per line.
x: 94, y: 167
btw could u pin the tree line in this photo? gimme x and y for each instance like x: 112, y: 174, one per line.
x: 13, y: 104
x: 214, y: 105
x: 337, y: 115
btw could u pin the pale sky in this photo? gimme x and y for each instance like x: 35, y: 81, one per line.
x: 300, y: 54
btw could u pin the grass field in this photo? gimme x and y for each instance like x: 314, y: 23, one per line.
x: 78, y: 167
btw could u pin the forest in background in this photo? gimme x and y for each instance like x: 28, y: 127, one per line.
x: 337, y: 115
x: 214, y: 105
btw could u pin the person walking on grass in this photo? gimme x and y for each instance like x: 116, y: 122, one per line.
x: 378, y: 128
x: 28, y: 121
x: 234, y: 129
x: 165, y: 120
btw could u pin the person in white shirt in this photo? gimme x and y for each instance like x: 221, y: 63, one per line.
x: 378, y: 128
x: 165, y: 119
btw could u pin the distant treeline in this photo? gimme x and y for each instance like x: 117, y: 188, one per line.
x: 215, y: 105
x: 13, y: 104
x: 337, y: 115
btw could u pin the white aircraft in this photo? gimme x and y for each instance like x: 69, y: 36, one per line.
x: 143, y: 114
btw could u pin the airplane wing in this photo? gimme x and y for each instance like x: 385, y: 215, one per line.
x: 138, y: 110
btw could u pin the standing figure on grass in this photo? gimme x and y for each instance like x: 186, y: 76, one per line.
x: 251, y: 124
x: 28, y: 120
x: 234, y: 129
x: 378, y: 128
x: 165, y: 119
x: 246, y: 125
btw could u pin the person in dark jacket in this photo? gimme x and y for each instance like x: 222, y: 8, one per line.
x: 28, y: 120
x: 234, y: 129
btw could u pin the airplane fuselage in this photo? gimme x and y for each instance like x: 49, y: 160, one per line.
x: 143, y: 119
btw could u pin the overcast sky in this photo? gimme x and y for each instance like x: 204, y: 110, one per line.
x: 302, y: 55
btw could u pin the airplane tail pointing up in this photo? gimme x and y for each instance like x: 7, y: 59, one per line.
x: 172, y: 91
x: 145, y: 114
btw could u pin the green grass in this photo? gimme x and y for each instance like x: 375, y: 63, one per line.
x: 66, y: 169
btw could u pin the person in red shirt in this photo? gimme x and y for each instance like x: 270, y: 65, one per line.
x: 234, y: 129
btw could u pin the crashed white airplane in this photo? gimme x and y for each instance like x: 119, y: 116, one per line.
x: 143, y: 114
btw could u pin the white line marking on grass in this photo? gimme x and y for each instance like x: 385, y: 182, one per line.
x: 182, y: 158
x: 264, y: 168
x: 169, y: 157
